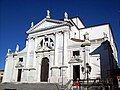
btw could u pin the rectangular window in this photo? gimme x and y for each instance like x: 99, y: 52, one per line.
x: 76, y: 53
x: 20, y: 59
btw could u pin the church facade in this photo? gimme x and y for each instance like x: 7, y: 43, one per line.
x: 57, y: 51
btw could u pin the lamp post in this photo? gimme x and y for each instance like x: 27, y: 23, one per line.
x: 86, y: 70
x: 87, y: 67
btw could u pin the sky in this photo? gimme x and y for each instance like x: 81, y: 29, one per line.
x: 17, y: 15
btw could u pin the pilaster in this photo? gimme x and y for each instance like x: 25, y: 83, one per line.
x: 65, y: 38
x: 55, y: 62
x: 55, y: 69
x: 35, y: 56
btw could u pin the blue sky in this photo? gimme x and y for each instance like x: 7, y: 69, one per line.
x: 17, y: 15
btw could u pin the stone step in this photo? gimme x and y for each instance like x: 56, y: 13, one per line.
x: 29, y: 86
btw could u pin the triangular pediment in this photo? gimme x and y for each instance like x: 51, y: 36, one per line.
x: 44, y: 24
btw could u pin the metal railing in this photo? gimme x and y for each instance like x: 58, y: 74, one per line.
x: 91, y: 84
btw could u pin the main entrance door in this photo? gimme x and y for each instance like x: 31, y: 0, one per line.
x: 76, y: 72
x: 44, y: 69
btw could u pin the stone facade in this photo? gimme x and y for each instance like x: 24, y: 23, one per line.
x: 56, y: 50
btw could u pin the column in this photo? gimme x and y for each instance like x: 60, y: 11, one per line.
x: 36, y: 42
x: 55, y: 61
x: 28, y: 59
x: 55, y: 68
x: 65, y: 37
x: 28, y: 54
x: 64, y: 66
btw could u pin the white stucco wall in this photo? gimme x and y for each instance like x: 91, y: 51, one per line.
x: 61, y: 56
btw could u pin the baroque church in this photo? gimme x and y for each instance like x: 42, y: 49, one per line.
x: 57, y: 51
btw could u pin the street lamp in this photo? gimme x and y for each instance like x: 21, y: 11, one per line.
x: 86, y: 70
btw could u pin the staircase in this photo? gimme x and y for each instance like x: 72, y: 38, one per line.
x: 29, y: 86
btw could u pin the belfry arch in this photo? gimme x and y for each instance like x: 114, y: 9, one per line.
x: 44, y: 69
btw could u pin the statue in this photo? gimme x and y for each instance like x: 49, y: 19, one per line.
x: 17, y: 48
x: 32, y: 24
x: 48, y: 14
x: 86, y: 36
x: 66, y: 15
x: 105, y: 36
x: 9, y: 50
